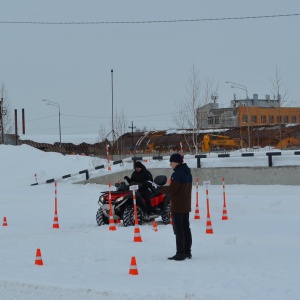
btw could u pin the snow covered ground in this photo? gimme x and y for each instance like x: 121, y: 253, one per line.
x: 253, y: 255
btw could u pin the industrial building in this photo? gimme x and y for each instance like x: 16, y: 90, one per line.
x: 246, y: 112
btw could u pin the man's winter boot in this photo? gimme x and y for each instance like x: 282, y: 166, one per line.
x: 177, y: 256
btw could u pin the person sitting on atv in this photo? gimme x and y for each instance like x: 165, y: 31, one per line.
x: 141, y: 176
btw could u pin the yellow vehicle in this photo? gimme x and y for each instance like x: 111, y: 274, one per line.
x: 214, y: 141
x: 150, y: 149
x: 288, y: 142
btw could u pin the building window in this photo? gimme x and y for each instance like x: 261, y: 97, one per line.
x: 293, y: 119
x: 271, y: 119
x: 210, y: 120
x: 278, y: 119
x: 263, y: 119
x: 285, y: 119
x: 217, y: 120
x: 254, y: 119
x: 245, y: 119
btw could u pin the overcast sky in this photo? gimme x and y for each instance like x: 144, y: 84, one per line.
x: 71, y: 64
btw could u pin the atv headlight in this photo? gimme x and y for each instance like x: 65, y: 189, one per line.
x: 119, y: 199
x: 101, y: 200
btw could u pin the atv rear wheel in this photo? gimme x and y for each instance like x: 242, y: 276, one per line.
x: 166, y: 215
x: 100, y: 218
x: 128, y: 216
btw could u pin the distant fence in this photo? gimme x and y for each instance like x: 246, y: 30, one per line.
x: 86, y: 172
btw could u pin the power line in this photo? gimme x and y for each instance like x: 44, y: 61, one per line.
x: 40, y: 118
x: 149, y: 21
x: 139, y: 116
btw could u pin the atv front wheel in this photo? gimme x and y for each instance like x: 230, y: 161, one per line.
x: 166, y: 215
x: 128, y: 216
x: 100, y: 218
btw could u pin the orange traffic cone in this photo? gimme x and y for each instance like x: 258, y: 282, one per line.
x: 209, y: 229
x: 38, y: 257
x: 4, y: 222
x: 133, y: 267
x: 171, y: 221
x: 109, y: 168
x: 224, y: 215
x: 112, y: 225
x: 137, y: 234
x: 55, y: 220
x: 118, y: 221
x: 197, y: 213
x: 155, y: 226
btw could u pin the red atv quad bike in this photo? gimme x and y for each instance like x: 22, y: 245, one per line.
x: 122, y: 204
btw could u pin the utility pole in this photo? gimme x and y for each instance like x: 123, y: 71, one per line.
x: 2, y: 114
x: 243, y: 87
x: 132, y: 127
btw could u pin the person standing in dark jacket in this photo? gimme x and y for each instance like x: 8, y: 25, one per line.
x: 141, y: 175
x: 180, y: 191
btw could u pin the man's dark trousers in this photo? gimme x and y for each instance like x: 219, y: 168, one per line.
x: 182, y: 231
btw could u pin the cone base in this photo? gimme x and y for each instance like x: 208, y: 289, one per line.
x: 137, y: 235
x: 224, y: 214
x: 133, y: 272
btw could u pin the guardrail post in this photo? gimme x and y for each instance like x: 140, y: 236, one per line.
x: 199, y: 156
x: 87, y: 175
x: 270, y: 154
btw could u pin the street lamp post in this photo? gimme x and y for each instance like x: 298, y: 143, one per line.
x: 243, y: 87
x: 48, y: 102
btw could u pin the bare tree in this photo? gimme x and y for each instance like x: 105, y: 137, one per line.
x: 280, y: 93
x: 120, y: 128
x: 198, y: 94
x: 102, y: 133
x: 6, y: 109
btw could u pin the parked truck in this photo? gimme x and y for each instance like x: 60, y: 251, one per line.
x: 214, y: 141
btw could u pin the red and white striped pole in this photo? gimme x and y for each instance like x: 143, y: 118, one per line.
x: 197, y: 210
x: 136, y: 219
x: 137, y: 234
x: 224, y: 214
x: 112, y: 225
x: 209, y: 229
x: 55, y: 220
x: 108, y: 156
x: 181, y: 150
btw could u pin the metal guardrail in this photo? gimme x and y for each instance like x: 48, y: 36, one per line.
x: 86, y: 172
x: 159, y: 158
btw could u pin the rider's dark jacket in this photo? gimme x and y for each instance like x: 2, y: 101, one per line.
x: 141, y: 177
